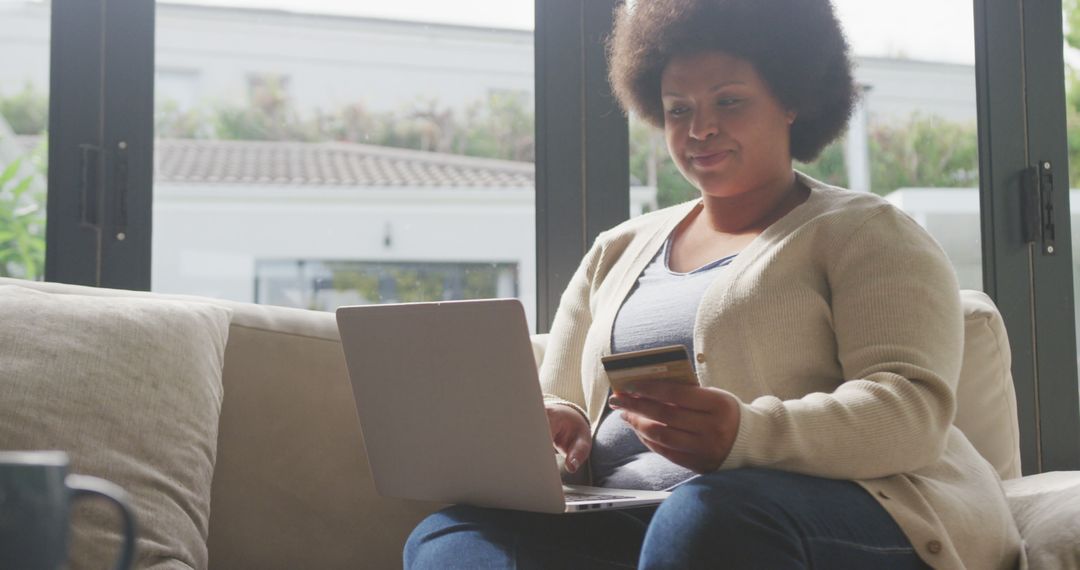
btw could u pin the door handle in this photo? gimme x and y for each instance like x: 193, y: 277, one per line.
x: 120, y: 202
x: 89, y: 184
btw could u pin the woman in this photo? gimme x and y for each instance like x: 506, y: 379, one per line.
x: 825, y: 326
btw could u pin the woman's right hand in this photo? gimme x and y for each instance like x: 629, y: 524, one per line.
x: 570, y: 433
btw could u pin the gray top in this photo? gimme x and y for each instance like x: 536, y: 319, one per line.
x: 660, y: 311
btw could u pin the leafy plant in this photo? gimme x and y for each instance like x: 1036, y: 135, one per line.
x: 924, y: 151
x: 22, y: 223
x: 26, y: 111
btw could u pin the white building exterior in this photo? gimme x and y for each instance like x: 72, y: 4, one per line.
x: 209, y: 55
x: 219, y: 216
x: 208, y: 239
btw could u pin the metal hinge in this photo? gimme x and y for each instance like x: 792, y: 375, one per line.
x: 1038, y: 207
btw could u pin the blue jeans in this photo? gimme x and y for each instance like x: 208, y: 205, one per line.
x: 744, y: 518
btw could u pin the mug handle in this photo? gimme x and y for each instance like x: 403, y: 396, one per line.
x: 84, y: 486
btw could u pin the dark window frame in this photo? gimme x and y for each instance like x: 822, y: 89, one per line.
x: 1020, y: 85
x: 101, y: 136
x: 582, y: 143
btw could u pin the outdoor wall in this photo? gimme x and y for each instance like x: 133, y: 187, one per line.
x: 899, y: 87
x: 24, y: 46
x: 208, y: 238
x: 206, y: 54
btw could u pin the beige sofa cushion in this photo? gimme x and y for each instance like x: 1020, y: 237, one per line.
x: 1047, y: 512
x: 131, y: 389
x: 986, y: 400
x: 291, y: 488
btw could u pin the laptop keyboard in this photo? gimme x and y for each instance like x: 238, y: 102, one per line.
x: 581, y: 497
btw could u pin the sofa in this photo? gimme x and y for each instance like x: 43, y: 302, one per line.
x: 290, y: 482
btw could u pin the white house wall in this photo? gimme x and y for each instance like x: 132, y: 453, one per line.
x: 24, y: 46
x: 332, y: 61
x: 898, y: 87
x: 207, y: 239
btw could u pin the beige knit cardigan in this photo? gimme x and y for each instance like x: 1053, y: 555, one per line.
x: 840, y: 331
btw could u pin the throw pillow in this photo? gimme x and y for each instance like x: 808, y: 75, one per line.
x: 131, y: 389
x: 985, y: 398
x: 1046, y: 508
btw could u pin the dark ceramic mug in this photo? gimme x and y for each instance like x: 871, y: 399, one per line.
x: 36, y: 493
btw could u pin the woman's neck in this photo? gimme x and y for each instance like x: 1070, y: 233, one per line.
x: 753, y: 211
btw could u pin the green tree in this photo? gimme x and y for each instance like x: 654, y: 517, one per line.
x: 1071, y: 9
x: 346, y: 277
x: 501, y: 127
x: 172, y: 122
x: 1071, y: 17
x: 924, y: 151
x: 27, y: 111
x: 22, y: 219
x: 830, y: 167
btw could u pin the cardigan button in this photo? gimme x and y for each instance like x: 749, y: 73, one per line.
x: 933, y: 546
x: 701, y: 357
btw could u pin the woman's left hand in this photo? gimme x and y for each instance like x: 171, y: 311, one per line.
x: 691, y: 426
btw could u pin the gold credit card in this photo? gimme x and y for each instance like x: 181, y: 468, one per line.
x: 667, y: 363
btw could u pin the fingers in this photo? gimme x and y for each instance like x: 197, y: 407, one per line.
x: 691, y: 397
x: 678, y: 417
x: 578, y: 453
x: 681, y: 448
x: 692, y: 461
x: 694, y: 439
x: 571, y: 436
x: 667, y: 436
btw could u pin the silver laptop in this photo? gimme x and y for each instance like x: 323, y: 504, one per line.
x: 451, y: 408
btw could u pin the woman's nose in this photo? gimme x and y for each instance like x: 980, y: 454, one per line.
x: 704, y: 125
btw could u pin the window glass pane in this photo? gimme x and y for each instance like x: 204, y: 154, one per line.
x: 912, y: 139
x: 316, y: 153
x: 326, y: 285
x: 24, y: 108
x: 1071, y: 18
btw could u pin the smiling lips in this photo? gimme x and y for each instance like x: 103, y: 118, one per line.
x: 710, y: 159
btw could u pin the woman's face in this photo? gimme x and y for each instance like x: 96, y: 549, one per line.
x: 725, y: 130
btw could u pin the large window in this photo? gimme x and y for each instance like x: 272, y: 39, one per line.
x: 394, y: 140
x: 296, y: 131
x: 24, y: 107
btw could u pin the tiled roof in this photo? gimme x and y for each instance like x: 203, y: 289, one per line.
x: 328, y: 164
x: 325, y: 164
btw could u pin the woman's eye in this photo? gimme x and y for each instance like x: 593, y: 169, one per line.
x: 677, y: 111
x: 728, y: 102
